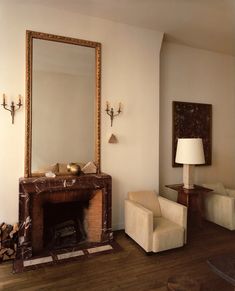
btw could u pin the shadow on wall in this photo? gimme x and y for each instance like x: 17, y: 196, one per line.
x: 170, y: 194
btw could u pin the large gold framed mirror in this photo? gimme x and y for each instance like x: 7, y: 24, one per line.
x: 63, y: 83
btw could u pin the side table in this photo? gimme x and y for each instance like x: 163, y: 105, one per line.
x: 192, y: 198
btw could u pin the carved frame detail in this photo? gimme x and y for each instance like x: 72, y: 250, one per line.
x: 30, y: 35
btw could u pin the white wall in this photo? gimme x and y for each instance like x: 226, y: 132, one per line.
x: 130, y: 74
x: 194, y: 75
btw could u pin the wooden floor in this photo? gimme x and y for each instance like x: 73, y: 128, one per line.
x: 131, y: 269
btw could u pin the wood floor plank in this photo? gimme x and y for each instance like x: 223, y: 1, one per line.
x: 131, y: 269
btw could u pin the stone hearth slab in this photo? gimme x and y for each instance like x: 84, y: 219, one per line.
x: 63, y: 256
x: 99, y: 249
x: 38, y: 261
x: 70, y: 255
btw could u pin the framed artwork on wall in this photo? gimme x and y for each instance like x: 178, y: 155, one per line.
x: 192, y: 120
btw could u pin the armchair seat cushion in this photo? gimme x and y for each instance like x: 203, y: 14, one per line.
x: 146, y: 199
x: 166, y: 234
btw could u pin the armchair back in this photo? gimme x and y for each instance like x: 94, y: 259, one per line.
x: 148, y: 199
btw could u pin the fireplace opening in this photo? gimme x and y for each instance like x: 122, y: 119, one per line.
x: 65, y: 219
x: 64, y: 224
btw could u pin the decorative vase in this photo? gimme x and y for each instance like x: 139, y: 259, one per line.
x: 74, y: 168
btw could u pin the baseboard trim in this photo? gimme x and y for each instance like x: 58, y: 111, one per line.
x: 118, y: 226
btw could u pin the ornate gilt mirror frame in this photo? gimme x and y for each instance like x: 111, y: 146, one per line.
x: 30, y: 35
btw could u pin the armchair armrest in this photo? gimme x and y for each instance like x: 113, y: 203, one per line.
x: 174, y: 211
x: 139, y: 224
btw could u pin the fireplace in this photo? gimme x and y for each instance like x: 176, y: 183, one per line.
x: 63, y: 212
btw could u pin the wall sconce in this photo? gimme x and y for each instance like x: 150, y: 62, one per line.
x: 13, y: 108
x: 110, y: 112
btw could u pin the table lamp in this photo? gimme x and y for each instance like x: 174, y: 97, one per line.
x: 189, y: 153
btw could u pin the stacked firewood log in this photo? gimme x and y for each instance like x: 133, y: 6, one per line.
x: 8, y: 241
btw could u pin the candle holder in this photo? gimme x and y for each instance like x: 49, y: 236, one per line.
x: 110, y: 112
x: 11, y: 108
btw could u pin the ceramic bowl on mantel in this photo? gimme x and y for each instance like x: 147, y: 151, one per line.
x: 74, y: 168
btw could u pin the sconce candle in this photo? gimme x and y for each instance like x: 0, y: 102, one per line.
x: 13, y: 108
x: 4, y: 100
x: 111, y: 113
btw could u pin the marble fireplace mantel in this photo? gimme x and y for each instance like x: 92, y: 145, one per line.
x: 38, y: 190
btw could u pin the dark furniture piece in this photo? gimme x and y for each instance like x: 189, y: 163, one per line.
x: 192, y: 198
x: 224, y: 266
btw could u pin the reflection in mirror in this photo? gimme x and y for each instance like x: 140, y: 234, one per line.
x: 63, y: 94
x: 63, y: 103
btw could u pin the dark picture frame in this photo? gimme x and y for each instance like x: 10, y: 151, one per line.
x: 192, y: 120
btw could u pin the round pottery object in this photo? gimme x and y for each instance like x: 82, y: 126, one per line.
x: 74, y: 168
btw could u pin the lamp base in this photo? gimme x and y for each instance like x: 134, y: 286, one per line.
x: 188, y: 171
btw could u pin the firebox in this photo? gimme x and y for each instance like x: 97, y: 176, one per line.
x: 64, y: 224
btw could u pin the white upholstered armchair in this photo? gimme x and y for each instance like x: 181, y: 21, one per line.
x: 219, y: 205
x: 155, y: 223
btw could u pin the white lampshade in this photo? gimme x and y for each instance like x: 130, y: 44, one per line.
x: 190, y: 151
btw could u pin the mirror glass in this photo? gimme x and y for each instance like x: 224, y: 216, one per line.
x: 63, y: 97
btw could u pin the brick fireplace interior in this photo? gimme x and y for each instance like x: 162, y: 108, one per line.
x: 67, y: 224
x: 66, y: 218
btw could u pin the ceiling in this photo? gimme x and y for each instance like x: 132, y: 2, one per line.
x: 206, y: 24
